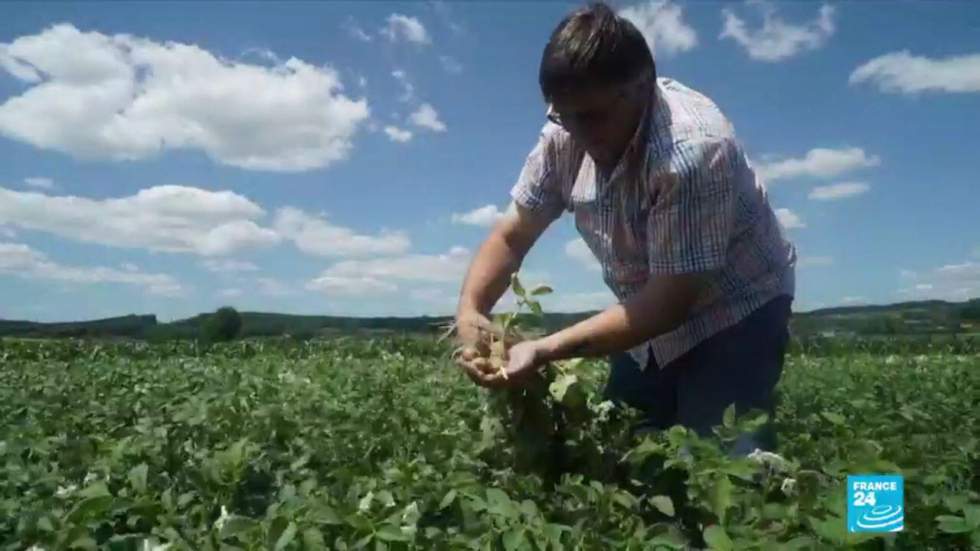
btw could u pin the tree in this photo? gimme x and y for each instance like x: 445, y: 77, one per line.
x: 223, y: 325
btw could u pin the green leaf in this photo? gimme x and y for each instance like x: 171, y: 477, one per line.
x: 137, y: 477
x: 500, y: 503
x: 972, y: 515
x: 953, y: 525
x: 728, y: 419
x: 624, y: 499
x: 286, y: 537
x: 560, y: 385
x: 235, y: 525
x: 88, y: 508
x: 955, y: 502
x: 515, y: 284
x: 389, y: 532
x: 313, y: 539
x: 721, y: 496
x: 663, y: 504
x: 514, y: 539
x: 97, y: 489
x: 535, y: 307
x: 84, y: 542
x: 184, y: 499
x: 45, y: 525
x: 385, y: 498
x: 447, y: 499
x: 541, y: 290
x: 835, y: 418
x: 324, y: 514
x: 716, y: 538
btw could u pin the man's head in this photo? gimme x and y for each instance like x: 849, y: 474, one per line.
x: 595, y: 72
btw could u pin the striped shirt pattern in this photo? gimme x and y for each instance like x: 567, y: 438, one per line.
x: 684, y: 198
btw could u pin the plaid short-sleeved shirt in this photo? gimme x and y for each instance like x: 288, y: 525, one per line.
x: 684, y: 198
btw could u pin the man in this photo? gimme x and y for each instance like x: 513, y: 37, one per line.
x: 666, y: 199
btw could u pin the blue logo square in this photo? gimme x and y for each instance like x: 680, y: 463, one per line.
x: 875, y: 503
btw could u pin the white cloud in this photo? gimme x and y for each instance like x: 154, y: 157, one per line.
x: 818, y: 163
x: 579, y: 250
x: 396, y: 134
x: 485, y: 216
x: 662, y: 24
x: 955, y: 282
x: 163, y: 218
x: 408, y: 29
x: 842, y: 190
x: 776, y: 39
x: 450, y: 64
x: 408, y: 90
x: 815, y: 261
x: 355, y: 31
x: 789, y: 219
x: 443, y: 268
x: 904, y: 73
x: 427, y: 117
x: 129, y: 267
x: 272, y: 287
x: 122, y: 97
x: 230, y: 293
x: 854, y: 300
x: 228, y: 265
x: 316, y: 236
x: 23, y: 261
x: 40, y: 183
x: 350, y: 286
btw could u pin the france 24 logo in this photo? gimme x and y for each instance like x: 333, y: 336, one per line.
x: 875, y: 503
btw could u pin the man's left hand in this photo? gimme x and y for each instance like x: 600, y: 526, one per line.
x: 524, y: 359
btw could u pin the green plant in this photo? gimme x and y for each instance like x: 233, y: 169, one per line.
x: 223, y: 325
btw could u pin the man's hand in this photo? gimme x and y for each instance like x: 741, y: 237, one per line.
x: 524, y: 359
x: 473, y: 356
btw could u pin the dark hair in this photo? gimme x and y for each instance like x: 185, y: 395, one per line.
x: 593, y: 46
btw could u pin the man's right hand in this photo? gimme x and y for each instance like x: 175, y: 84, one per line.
x: 473, y: 355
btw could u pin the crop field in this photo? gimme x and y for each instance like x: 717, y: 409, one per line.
x: 383, y: 444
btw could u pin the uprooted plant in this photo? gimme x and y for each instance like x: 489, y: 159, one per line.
x: 555, y: 424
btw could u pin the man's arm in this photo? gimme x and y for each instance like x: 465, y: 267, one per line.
x: 659, y: 307
x: 500, y: 255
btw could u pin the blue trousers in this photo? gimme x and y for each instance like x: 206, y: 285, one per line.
x: 739, y: 365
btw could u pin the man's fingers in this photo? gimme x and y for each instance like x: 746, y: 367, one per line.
x: 481, y: 372
x: 484, y: 365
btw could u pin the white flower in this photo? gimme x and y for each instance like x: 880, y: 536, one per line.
x: 789, y: 486
x: 603, y: 409
x: 65, y: 491
x: 35, y: 548
x: 220, y: 523
x: 152, y: 545
x: 90, y: 478
x: 770, y: 460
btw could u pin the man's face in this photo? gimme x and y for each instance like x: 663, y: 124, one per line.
x: 603, y: 119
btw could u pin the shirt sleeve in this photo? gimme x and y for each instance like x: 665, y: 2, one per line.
x: 691, y: 223
x: 538, y: 187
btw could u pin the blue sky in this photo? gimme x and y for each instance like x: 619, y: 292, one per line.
x: 347, y: 158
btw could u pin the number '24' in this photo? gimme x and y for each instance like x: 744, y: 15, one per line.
x: 862, y: 498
